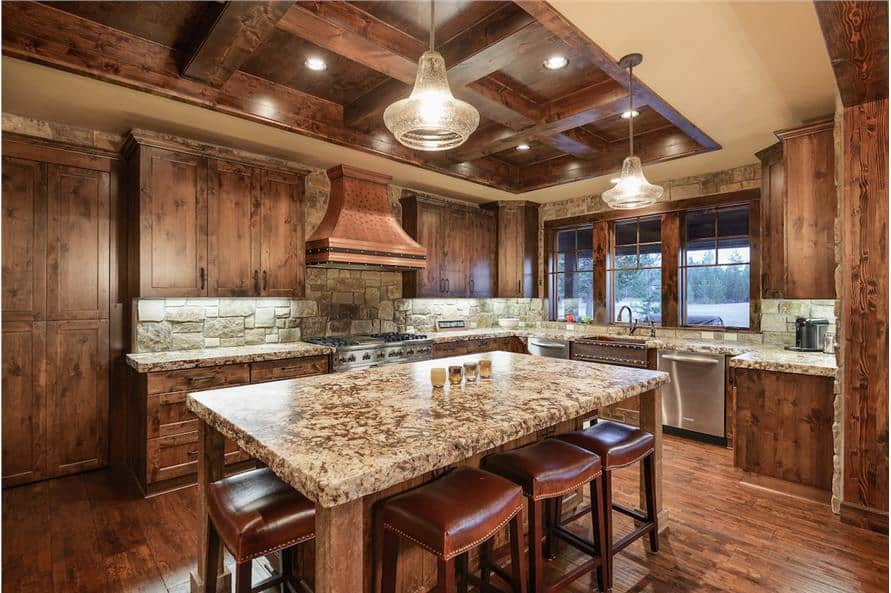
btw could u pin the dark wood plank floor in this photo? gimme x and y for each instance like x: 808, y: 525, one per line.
x: 92, y: 533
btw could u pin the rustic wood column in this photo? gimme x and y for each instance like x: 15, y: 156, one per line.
x: 651, y: 421
x: 210, y: 469
x: 340, y: 542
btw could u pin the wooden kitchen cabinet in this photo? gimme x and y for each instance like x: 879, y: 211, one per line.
x: 162, y: 444
x: 517, y: 240
x: 798, y: 208
x: 210, y: 226
x: 464, y: 346
x: 60, y: 218
x: 461, y: 248
x: 783, y: 431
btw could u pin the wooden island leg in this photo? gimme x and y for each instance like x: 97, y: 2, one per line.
x: 651, y: 421
x: 340, y: 547
x: 210, y: 469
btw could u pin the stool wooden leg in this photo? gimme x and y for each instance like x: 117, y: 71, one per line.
x: 555, y: 511
x: 461, y: 567
x: 390, y: 549
x: 243, y: 577
x: 213, y: 551
x: 485, y: 564
x: 607, y: 489
x: 649, y: 463
x: 536, y: 529
x: 446, y: 576
x: 598, y: 531
x: 287, y: 568
x: 517, y: 556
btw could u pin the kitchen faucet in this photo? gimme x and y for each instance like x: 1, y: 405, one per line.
x: 632, y: 324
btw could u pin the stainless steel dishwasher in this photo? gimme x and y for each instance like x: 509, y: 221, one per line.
x: 693, y: 404
x: 548, y: 347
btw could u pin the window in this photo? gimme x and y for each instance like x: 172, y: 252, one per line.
x: 572, y: 273
x: 715, y: 267
x: 635, y: 269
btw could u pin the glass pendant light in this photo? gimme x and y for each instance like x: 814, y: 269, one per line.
x: 631, y: 189
x: 431, y: 118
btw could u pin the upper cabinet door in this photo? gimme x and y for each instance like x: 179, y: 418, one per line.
x: 510, y: 251
x: 77, y: 243
x: 458, y: 244
x: 24, y: 240
x: 483, y: 256
x: 282, y: 236
x: 173, y: 224
x: 233, y: 243
x: 431, y: 280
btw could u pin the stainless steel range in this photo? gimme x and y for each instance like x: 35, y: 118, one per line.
x: 358, y: 352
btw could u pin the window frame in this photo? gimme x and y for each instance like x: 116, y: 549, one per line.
x: 683, y: 266
x: 552, y: 273
x: 611, y: 269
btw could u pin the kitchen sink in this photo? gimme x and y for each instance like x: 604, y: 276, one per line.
x: 619, y: 339
x: 619, y: 350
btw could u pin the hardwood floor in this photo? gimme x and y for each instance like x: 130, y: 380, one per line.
x: 93, y: 533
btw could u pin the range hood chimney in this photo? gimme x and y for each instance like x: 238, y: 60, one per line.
x: 359, y: 231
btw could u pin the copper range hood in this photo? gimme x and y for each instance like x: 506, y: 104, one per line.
x: 359, y: 230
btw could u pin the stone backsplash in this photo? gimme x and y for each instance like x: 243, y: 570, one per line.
x: 421, y: 315
x: 778, y: 317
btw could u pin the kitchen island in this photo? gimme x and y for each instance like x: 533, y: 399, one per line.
x: 350, y: 439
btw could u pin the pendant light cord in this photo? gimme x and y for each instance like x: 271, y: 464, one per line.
x: 432, y: 25
x: 630, y: 111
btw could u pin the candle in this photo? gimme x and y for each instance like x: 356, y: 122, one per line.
x: 485, y: 368
x: 470, y: 371
x: 438, y: 376
x: 456, y: 374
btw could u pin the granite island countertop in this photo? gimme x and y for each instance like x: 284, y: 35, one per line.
x: 339, y: 437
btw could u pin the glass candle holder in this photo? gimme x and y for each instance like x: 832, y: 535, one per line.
x: 438, y: 377
x: 471, y: 371
x: 485, y: 368
x: 456, y: 374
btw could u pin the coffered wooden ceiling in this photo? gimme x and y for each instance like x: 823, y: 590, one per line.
x: 247, y: 59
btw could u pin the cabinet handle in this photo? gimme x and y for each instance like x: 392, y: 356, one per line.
x: 519, y: 287
x: 201, y: 276
x: 448, y: 285
x: 256, y: 281
x: 471, y: 285
x: 265, y: 279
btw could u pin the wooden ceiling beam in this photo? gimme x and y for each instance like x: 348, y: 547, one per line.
x: 856, y: 35
x: 237, y: 32
x: 560, y: 26
x: 653, y: 147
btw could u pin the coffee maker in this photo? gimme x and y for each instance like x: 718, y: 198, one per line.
x: 810, y: 334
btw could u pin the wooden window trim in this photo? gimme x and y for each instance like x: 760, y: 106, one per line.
x: 611, y: 269
x: 671, y: 242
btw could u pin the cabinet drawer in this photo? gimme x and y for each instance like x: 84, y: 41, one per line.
x: 175, y: 456
x: 274, y: 370
x: 450, y: 349
x: 198, y: 379
x: 166, y: 414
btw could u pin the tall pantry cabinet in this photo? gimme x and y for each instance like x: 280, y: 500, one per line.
x: 58, y: 305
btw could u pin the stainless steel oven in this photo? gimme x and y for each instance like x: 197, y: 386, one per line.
x: 693, y: 404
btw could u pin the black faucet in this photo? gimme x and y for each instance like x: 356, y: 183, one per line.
x: 632, y: 323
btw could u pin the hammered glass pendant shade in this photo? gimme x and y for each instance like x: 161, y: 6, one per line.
x: 431, y: 118
x: 632, y: 190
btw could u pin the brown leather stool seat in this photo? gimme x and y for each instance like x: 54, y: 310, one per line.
x: 547, y: 471
x: 448, y: 517
x: 254, y: 513
x: 620, y: 445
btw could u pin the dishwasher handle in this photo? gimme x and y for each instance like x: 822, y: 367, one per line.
x: 690, y: 359
x: 554, y: 345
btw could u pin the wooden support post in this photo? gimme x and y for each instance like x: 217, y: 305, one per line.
x: 651, y: 421
x: 210, y: 469
x: 340, y: 542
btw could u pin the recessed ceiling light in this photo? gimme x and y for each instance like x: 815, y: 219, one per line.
x: 314, y: 63
x: 556, y: 62
x: 630, y: 114
x: 522, y: 147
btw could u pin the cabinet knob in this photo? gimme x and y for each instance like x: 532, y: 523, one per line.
x: 201, y: 276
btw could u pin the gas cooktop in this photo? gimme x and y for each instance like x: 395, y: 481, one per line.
x: 356, y: 352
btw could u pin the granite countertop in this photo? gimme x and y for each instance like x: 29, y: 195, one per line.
x: 339, y: 437
x: 787, y: 361
x: 189, y: 359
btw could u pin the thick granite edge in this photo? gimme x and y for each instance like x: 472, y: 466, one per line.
x: 800, y: 363
x: 602, y: 385
x: 148, y: 362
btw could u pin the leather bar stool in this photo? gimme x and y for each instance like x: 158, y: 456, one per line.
x: 620, y: 445
x: 448, y: 517
x: 254, y: 514
x: 547, y: 471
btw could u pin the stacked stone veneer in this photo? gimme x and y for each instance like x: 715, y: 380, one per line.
x: 421, y: 315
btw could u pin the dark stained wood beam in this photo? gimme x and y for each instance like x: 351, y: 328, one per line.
x: 557, y: 24
x: 238, y: 31
x: 856, y: 35
x: 559, y: 116
x: 45, y: 35
x: 653, y: 147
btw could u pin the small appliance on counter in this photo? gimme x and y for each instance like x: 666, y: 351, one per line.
x: 810, y: 334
